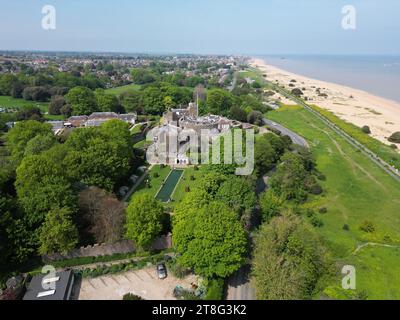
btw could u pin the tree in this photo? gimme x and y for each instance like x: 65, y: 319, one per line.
x: 107, y: 102
x: 29, y: 113
x: 19, y: 136
x: 99, y: 156
x: 219, y: 101
x: 82, y: 101
x: 256, y: 118
x: 58, y: 233
x: 271, y: 205
x: 237, y: 193
x: 104, y: 214
x: 210, y: 248
x: 132, y: 101
x: 289, y: 260
x: 237, y: 113
x: 144, y: 217
x: 41, y: 185
x: 142, y: 76
x: 56, y: 104
x: 153, y: 100
x: 290, y: 177
x: 39, y: 144
x: 265, y: 156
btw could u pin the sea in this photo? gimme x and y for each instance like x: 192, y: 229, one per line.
x: 379, y: 75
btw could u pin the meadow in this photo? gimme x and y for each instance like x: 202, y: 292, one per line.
x: 13, y: 103
x: 120, y: 90
x: 355, y: 191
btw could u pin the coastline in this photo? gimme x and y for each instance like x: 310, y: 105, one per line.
x: 353, y: 105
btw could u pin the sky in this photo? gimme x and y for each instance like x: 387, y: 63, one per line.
x: 203, y: 26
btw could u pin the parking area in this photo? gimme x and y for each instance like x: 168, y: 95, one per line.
x: 142, y: 282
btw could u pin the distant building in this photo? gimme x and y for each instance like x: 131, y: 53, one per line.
x: 40, y: 287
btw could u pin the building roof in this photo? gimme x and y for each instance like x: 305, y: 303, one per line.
x: 63, y: 284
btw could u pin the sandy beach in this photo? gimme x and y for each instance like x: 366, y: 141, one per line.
x: 355, y: 106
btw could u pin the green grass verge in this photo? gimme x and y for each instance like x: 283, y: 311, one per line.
x: 356, y: 190
x: 120, y: 90
x: 155, y: 181
x: 382, y: 150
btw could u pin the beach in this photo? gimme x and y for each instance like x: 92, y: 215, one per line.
x: 353, y: 105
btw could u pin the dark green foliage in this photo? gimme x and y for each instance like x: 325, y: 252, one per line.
x: 289, y: 260
x: 367, y: 226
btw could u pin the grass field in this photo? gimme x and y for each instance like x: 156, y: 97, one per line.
x: 382, y: 150
x: 356, y: 190
x: 119, y: 90
x: 155, y: 182
x: 10, y: 102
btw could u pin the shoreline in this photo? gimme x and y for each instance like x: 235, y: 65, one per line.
x: 352, y: 105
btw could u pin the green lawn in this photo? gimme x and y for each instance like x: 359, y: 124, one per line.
x: 180, y: 191
x: 10, y: 102
x: 119, y: 90
x: 155, y: 182
x: 355, y: 190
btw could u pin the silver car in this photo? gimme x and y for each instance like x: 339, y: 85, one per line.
x: 161, y: 271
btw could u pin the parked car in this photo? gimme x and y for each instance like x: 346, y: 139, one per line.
x: 161, y: 271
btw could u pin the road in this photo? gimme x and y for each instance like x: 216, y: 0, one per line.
x: 297, y: 139
x: 363, y: 149
x: 239, y: 287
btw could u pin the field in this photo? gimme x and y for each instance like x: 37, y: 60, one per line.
x: 119, y: 90
x: 384, y: 151
x: 9, y: 102
x: 356, y: 190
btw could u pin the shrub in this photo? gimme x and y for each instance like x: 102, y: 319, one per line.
x: 297, y: 92
x: 395, y: 137
x: 393, y: 146
x: 156, y: 175
x: 316, y: 222
x: 316, y: 189
x: 321, y: 176
x: 196, y: 168
x: 367, y: 226
x: 215, y: 289
x: 323, y: 210
x: 131, y: 296
x: 366, y: 129
x: 346, y: 227
x: 187, y: 189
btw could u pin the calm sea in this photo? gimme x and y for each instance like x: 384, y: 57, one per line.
x: 379, y: 75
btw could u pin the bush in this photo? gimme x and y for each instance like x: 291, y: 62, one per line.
x: 316, y: 189
x: 366, y: 129
x: 346, y: 227
x: 323, y: 210
x: 192, y: 178
x: 316, y: 222
x: 187, y: 189
x: 297, y: 92
x: 395, y: 137
x: 131, y: 296
x: 196, y: 168
x: 393, y: 146
x: 156, y: 175
x: 177, y: 270
x: 215, y: 289
x: 367, y: 226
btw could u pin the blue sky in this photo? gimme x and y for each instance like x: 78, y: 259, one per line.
x: 203, y: 26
